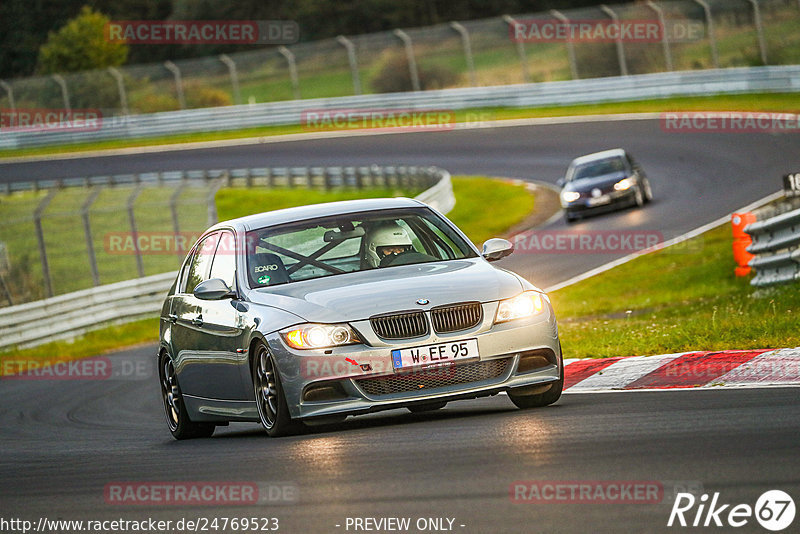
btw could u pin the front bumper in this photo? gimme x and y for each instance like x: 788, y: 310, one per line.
x: 617, y: 200
x: 322, y: 383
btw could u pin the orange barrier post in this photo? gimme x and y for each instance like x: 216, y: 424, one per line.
x: 741, y: 241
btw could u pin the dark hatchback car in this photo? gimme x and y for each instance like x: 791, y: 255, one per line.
x: 601, y: 182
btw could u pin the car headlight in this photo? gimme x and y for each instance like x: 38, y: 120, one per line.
x: 622, y: 185
x: 526, y: 304
x: 319, y: 336
x: 570, y: 196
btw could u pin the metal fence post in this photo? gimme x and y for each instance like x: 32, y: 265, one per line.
x: 412, y: 62
x: 10, y: 92
x: 176, y: 73
x: 211, y: 198
x: 237, y: 95
x: 353, y: 61
x: 123, y: 97
x: 134, y: 233
x: 37, y: 223
x: 712, y: 39
x: 64, y: 91
x: 573, y: 63
x: 87, y: 232
x: 465, y: 42
x: 523, y: 60
x: 664, y: 37
x: 762, y: 43
x: 623, y: 64
x: 173, y: 208
x: 290, y: 59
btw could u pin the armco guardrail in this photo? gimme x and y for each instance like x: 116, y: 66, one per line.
x: 589, y: 91
x: 776, y: 245
x: 72, y: 314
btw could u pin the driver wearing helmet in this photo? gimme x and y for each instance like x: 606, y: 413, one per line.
x: 385, y: 243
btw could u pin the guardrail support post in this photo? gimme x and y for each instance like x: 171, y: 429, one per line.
x: 762, y: 43
x: 523, y: 60
x: 237, y: 95
x: 623, y: 64
x: 64, y: 91
x: 176, y: 73
x: 664, y: 37
x: 465, y: 43
x: 37, y: 223
x: 353, y: 61
x: 123, y: 96
x: 412, y: 62
x: 712, y: 39
x: 573, y: 63
x: 10, y: 92
x: 87, y: 232
x: 134, y: 233
x: 290, y: 59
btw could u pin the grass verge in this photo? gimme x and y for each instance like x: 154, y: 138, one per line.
x: 472, y: 193
x: 775, y: 102
x: 675, y: 300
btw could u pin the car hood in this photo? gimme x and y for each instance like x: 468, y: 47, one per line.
x: 602, y: 182
x: 360, y: 295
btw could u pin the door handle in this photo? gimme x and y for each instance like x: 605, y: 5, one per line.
x: 198, y: 321
x: 172, y: 318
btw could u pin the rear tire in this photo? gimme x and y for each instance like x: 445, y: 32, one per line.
x: 427, y: 407
x: 270, y: 399
x: 178, y: 420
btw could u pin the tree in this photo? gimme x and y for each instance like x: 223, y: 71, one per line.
x: 81, y: 45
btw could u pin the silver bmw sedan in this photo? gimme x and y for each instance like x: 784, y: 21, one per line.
x: 311, y: 314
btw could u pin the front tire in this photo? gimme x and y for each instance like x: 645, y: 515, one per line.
x: 542, y: 399
x: 178, y: 420
x: 270, y: 399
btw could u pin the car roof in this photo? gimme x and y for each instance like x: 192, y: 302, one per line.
x: 312, y: 211
x: 614, y: 152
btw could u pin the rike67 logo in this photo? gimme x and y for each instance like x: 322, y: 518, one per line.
x: 774, y: 510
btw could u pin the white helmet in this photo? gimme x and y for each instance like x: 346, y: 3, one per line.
x: 387, y: 235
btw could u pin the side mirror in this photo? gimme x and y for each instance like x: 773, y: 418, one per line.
x: 560, y: 183
x: 496, y: 248
x: 213, y: 289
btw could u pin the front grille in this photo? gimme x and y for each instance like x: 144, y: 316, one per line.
x: 456, y: 317
x: 400, y: 325
x: 437, y: 377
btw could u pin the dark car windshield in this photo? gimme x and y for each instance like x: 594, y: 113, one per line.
x: 600, y: 167
x: 349, y: 243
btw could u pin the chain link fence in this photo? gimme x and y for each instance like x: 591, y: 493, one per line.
x: 61, y: 236
x: 698, y: 34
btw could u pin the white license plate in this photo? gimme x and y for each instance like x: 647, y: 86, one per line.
x: 605, y: 199
x: 434, y: 355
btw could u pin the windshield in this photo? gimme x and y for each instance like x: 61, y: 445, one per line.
x: 350, y: 243
x: 597, y: 168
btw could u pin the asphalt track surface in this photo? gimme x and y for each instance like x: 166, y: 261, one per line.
x: 62, y: 442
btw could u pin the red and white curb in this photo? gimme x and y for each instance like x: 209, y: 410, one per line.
x: 706, y: 369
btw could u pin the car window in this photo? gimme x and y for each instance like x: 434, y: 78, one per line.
x: 597, y: 168
x: 344, y: 244
x: 224, y: 265
x: 201, y: 261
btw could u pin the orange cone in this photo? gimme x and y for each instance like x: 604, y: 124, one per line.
x: 741, y: 241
